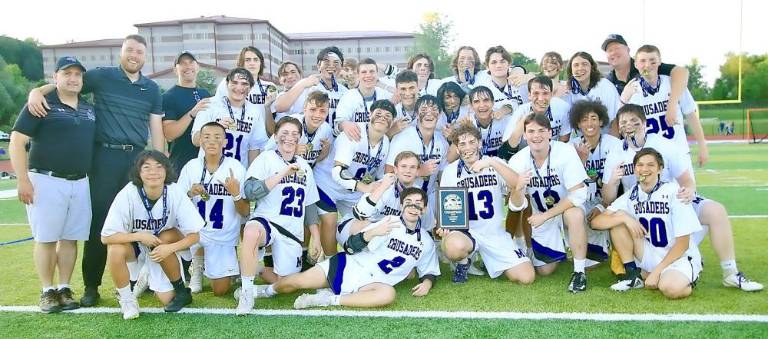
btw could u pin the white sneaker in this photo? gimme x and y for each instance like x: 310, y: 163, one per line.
x: 261, y: 291
x: 130, y: 307
x: 738, y: 280
x: 142, y: 283
x: 475, y: 270
x: 245, y: 302
x: 196, y: 281
x: 307, y: 300
x: 628, y: 284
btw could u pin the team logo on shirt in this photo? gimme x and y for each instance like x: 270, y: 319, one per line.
x: 656, y: 107
x: 398, y: 245
x: 152, y: 225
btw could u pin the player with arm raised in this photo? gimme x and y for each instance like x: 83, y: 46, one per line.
x: 154, y: 220
x: 245, y: 131
x: 650, y: 225
x: 712, y: 215
x: 215, y: 184
x: 355, y: 106
x: 487, y: 179
x: 376, y: 258
x: 557, y: 191
x: 315, y: 143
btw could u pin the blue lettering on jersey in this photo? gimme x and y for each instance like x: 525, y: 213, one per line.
x: 479, y: 181
x: 216, y: 189
x: 656, y: 107
x: 153, y: 225
x: 398, y: 245
x: 547, y: 181
x: 652, y: 207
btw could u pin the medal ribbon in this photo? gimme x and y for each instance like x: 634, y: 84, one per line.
x: 148, y: 207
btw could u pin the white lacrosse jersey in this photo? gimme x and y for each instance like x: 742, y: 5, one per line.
x: 323, y: 132
x: 675, y: 161
x: 561, y: 170
x: 605, y: 92
x: 655, y: 108
x: 219, y: 212
x: 352, y: 106
x: 491, y: 136
x: 173, y: 209
x: 662, y: 215
x: 595, y: 166
x: 511, y: 95
x: 358, y: 156
x: 485, y: 198
x: 557, y: 113
x: 251, y: 133
x: 410, y: 140
x: 285, y: 203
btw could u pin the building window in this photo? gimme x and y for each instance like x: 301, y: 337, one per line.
x: 102, y: 58
x: 367, y: 50
x: 406, y: 49
x: 397, y: 48
x: 378, y: 49
x: 387, y: 49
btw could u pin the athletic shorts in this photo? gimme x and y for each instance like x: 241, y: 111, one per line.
x: 61, y: 209
x: 220, y: 261
x: 688, y: 266
x: 157, y: 279
x: 286, y: 252
x: 547, y: 242
x: 497, y: 249
x: 597, y: 240
x: 345, y: 276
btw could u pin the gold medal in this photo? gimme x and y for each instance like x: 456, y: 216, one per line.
x: 309, y: 147
x: 368, y: 178
x: 550, y: 201
x: 300, y: 174
x: 642, y: 178
x: 232, y: 126
x: 271, y: 89
x: 205, y: 196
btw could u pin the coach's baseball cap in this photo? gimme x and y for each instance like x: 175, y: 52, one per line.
x: 68, y: 61
x: 183, y: 54
x: 614, y: 38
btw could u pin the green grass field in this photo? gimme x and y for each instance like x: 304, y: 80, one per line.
x: 737, y: 176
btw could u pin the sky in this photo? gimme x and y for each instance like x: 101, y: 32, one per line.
x: 682, y: 29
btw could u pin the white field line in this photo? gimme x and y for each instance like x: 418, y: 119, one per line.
x: 438, y: 314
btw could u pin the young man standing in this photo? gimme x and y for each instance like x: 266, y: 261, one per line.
x: 355, y: 106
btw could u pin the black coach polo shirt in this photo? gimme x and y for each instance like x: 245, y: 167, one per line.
x: 123, y: 106
x: 664, y: 69
x: 62, y: 141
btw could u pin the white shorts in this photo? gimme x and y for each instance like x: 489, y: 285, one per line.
x: 157, y: 279
x: 342, y: 231
x: 597, y: 241
x: 497, y: 249
x: 689, y: 266
x: 698, y: 206
x: 547, y: 242
x: 220, y: 261
x: 286, y: 252
x: 61, y: 209
x: 345, y: 276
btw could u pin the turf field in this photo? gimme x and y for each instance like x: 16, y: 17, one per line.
x: 737, y: 175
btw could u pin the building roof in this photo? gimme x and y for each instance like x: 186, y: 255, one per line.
x: 217, y: 19
x: 348, y: 35
x: 91, y: 43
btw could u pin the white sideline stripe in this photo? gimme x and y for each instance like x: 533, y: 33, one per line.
x: 436, y: 314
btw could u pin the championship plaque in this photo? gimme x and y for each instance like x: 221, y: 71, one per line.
x: 452, y: 209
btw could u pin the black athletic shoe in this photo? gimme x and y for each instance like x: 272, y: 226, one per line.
x: 90, y: 297
x: 578, y: 282
x: 181, y: 299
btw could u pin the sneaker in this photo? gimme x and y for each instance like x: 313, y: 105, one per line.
x: 49, y: 302
x: 307, y: 300
x: 740, y: 281
x: 631, y: 280
x: 66, y: 301
x: 196, y: 279
x: 142, y: 283
x: 578, y: 282
x: 260, y: 291
x: 181, y: 299
x: 90, y: 297
x: 460, y: 274
x: 130, y: 307
x: 475, y: 269
x: 245, y: 301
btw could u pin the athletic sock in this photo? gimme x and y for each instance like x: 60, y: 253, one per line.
x: 125, y: 292
x: 578, y: 265
x: 729, y: 268
x: 133, y: 270
x: 247, y: 282
x: 630, y: 266
x: 63, y: 286
x: 132, y: 284
x: 48, y: 288
x: 178, y: 285
x: 336, y: 300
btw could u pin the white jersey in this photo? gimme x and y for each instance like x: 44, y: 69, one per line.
x: 478, y: 79
x: 557, y: 113
x: 432, y: 86
x: 485, y: 197
x: 595, y: 166
x: 352, y: 106
x: 508, y: 95
x: 219, y: 211
x: 334, y: 97
x: 442, y: 120
x: 359, y: 157
x: 675, y: 161
x: 285, y: 203
x: 296, y: 108
x: 491, y: 137
x: 323, y: 132
x: 412, y: 117
x: 550, y: 182
x: 173, y: 209
x: 410, y: 140
x: 655, y: 108
x: 257, y: 95
x: 605, y: 92
x: 389, y: 259
x: 663, y: 216
x: 251, y: 133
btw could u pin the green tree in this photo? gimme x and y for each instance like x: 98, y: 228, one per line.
x: 520, y: 59
x: 433, y: 39
x: 207, y: 79
x: 696, y: 84
x: 25, y: 53
x: 13, y: 93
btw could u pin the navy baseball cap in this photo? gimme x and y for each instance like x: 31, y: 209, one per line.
x: 68, y: 61
x: 183, y: 54
x: 614, y: 38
